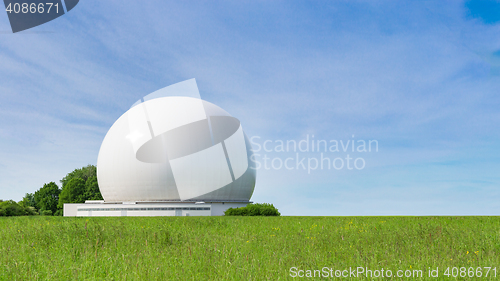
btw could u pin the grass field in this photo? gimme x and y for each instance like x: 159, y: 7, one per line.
x: 245, y: 248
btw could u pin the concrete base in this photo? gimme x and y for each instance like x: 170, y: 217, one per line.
x: 149, y: 208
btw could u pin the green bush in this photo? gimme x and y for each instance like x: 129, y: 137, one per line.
x: 11, y: 208
x: 46, y: 212
x: 30, y: 211
x: 264, y: 209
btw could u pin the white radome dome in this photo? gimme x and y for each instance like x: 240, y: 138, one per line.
x: 173, y: 146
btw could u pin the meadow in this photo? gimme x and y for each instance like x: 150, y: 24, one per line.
x: 247, y: 248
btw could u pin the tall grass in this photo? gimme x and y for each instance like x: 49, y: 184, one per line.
x: 240, y: 248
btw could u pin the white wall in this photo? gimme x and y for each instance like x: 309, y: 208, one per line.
x: 219, y: 208
x: 98, y: 209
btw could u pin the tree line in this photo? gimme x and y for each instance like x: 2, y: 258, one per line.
x: 77, y: 187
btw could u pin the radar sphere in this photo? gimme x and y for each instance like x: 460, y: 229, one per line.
x: 174, y: 146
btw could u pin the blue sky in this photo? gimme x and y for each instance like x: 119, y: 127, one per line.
x: 421, y: 78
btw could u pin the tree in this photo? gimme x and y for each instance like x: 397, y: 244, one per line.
x: 92, y: 189
x: 83, y: 173
x: 72, y: 192
x: 47, y: 197
x: 28, y: 200
x: 77, y: 187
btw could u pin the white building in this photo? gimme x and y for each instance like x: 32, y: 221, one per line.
x: 172, y: 153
